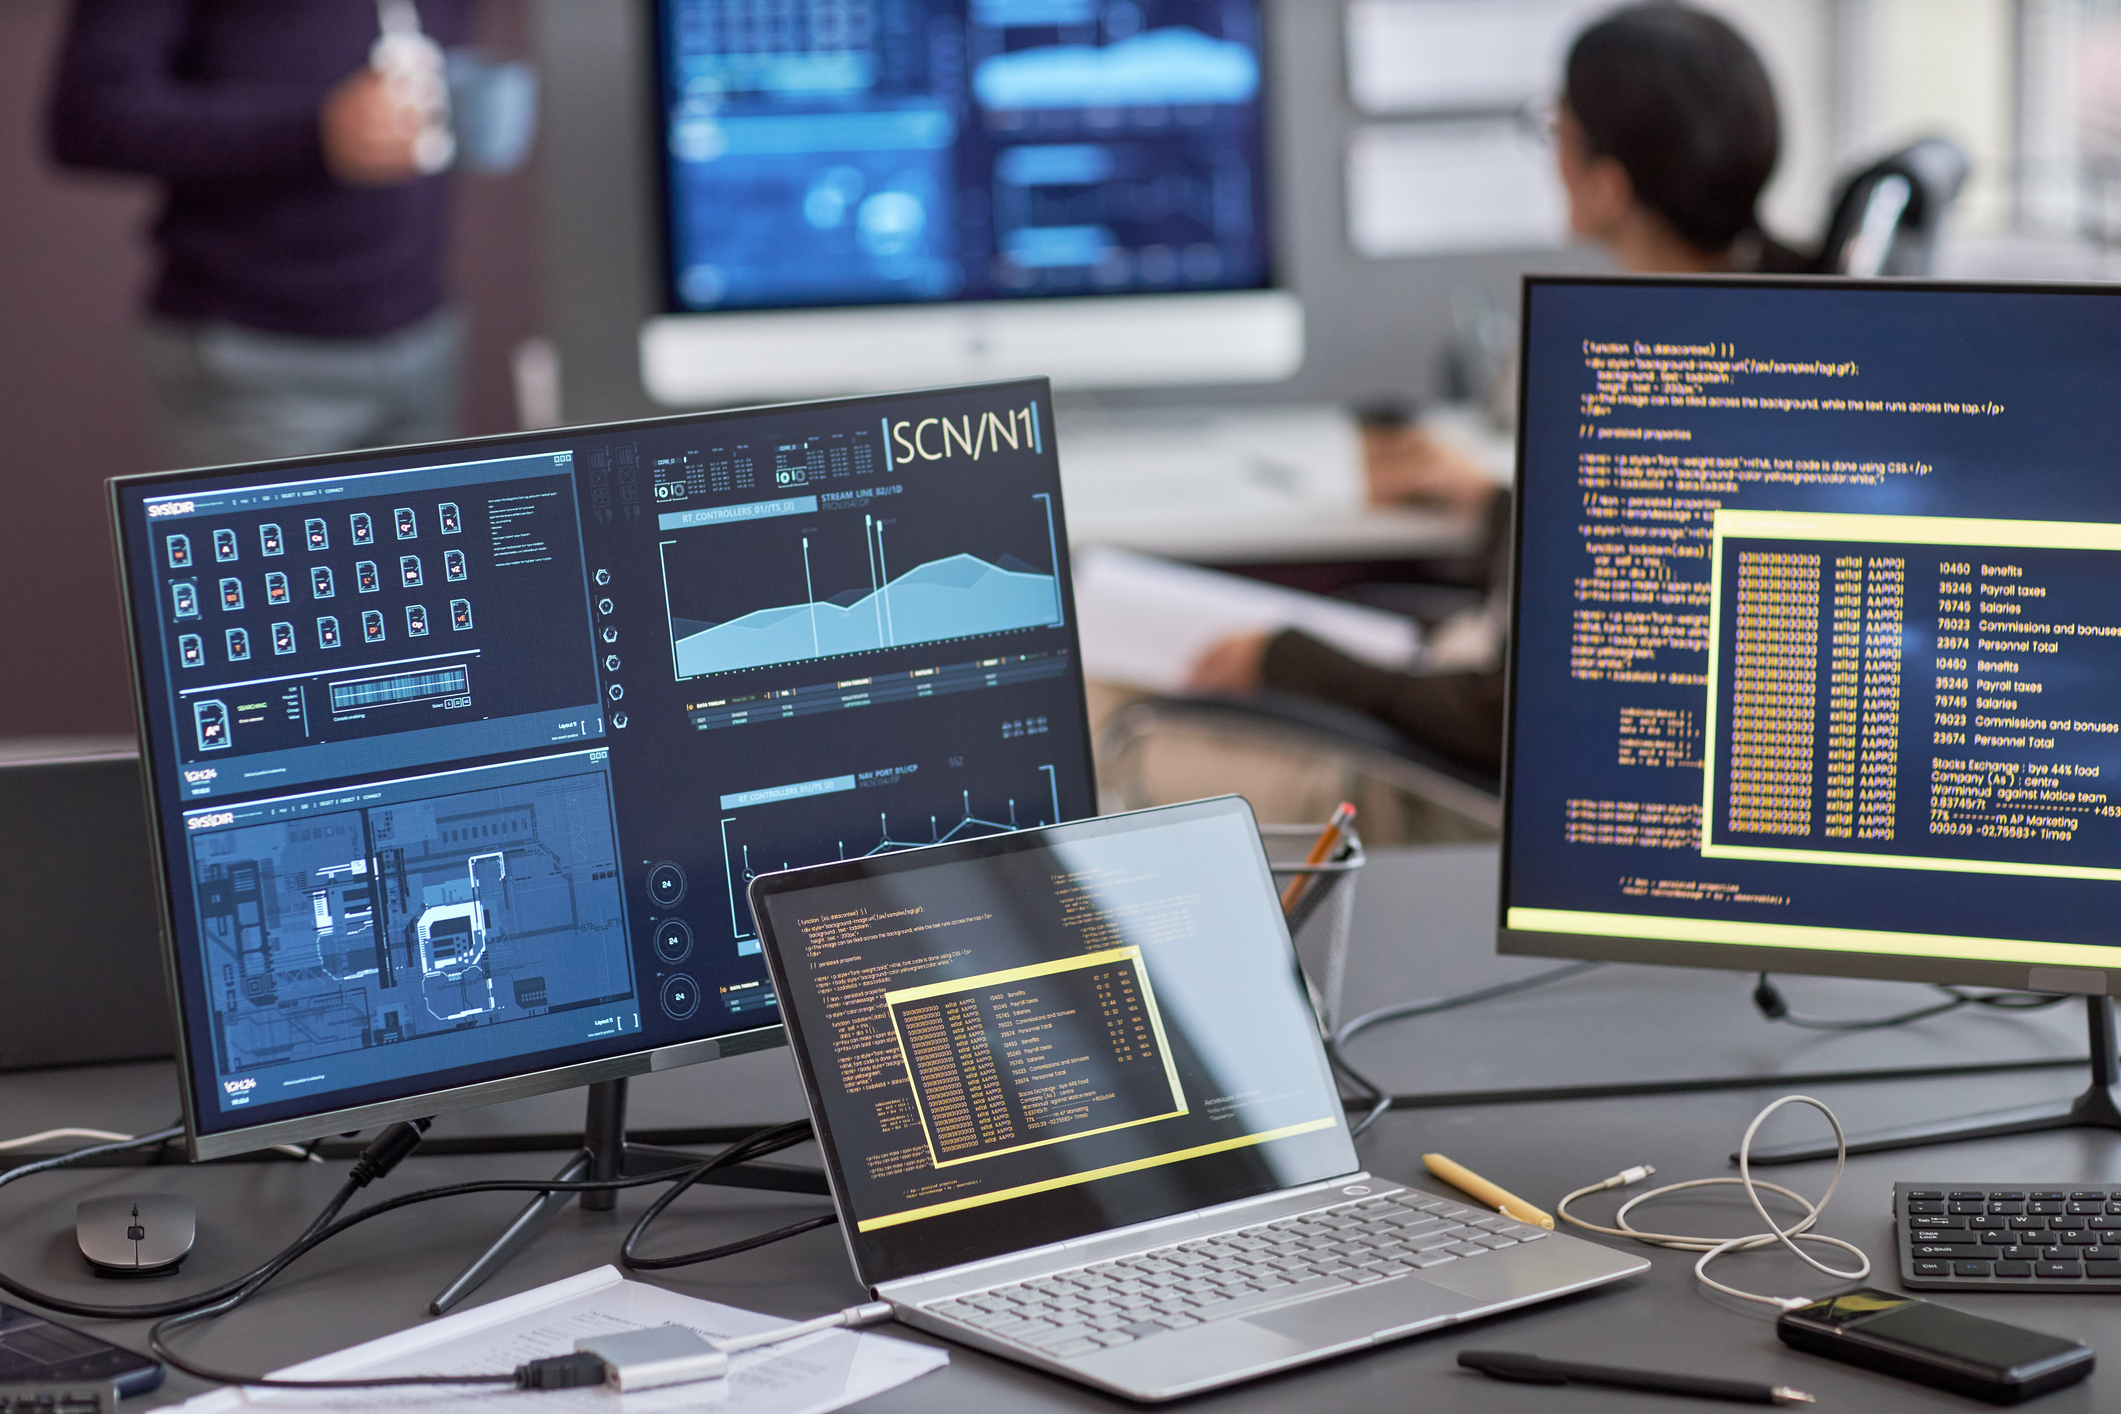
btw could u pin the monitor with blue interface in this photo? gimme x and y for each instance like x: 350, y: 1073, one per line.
x: 949, y: 152
x: 461, y: 757
x: 1817, y: 649
x: 890, y: 150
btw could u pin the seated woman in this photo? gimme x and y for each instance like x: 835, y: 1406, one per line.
x: 1665, y: 135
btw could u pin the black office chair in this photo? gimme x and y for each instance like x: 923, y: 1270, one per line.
x: 1887, y: 216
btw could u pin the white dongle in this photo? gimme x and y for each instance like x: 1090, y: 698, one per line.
x: 652, y: 1358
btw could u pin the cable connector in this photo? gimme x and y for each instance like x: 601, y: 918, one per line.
x: 561, y: 1372
x: 388, y: 1151
x: 1769, y: 1000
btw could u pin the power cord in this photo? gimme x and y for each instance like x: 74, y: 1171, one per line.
x: 382, y: 1156
x: 756, y: 1146
x: 1711, y: 1248
x: 1769, y: 999
x: 1374, y: 1095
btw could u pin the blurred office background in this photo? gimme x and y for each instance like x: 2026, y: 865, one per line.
x: 1412, y: 186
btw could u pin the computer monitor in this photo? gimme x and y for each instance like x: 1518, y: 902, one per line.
x: 864, y: 194
x: 1816, y: 661
x: 460, y: 757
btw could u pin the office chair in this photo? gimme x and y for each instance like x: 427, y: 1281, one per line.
x: 1887, y: 216
x: 1434, y: 797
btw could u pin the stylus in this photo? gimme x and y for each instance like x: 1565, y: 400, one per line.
x: 1502, y: 1200
x: 1531, y: 1370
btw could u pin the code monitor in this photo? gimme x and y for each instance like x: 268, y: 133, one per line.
x: 1816, y: 657
x: 462, y: 757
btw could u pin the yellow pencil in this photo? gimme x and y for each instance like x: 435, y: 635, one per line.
x: 1501, y: 1199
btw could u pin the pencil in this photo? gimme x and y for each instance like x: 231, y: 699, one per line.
x: 1320, y: 848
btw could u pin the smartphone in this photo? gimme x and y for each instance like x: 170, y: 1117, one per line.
x: 1935, y: 1345
x: 36, y: 1351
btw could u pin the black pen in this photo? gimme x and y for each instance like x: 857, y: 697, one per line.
x: 1530, y: 1369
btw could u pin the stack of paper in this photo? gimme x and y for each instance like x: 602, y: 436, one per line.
x: 1144, y: 622
x: 808, y: 1376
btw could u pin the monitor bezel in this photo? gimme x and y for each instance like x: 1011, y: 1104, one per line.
x: 1745, y: 957
x: 669, y: 306
x: 245, y: 1139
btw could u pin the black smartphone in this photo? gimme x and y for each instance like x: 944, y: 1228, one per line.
x: 1935, y: 1345
x: 36, y: 1351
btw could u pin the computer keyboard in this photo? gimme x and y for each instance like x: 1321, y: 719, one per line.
x: 1234, y: 1273
x: 2009, y: 1236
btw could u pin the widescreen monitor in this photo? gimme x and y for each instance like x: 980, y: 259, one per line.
x: 461, y: 757
x: 1816, y: 654
x: 912, y: 189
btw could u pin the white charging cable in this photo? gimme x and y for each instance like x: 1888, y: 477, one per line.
x: 1711, y: 1248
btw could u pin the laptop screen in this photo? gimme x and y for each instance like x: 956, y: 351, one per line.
x: 1034, y: 1037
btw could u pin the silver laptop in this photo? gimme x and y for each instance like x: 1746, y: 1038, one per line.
x: 1075, y: 1111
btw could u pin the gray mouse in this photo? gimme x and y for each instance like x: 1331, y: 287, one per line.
x: 136, y: 1235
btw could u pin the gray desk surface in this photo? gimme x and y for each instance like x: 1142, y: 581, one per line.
x: 1424, y: 927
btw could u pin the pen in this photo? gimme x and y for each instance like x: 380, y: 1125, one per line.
x: 1320, y: 848
x: 1500, y: 1199
x: 1530, y: 1369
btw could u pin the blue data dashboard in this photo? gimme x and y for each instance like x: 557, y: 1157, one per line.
x: 464, y: 756
x: 883, y: 151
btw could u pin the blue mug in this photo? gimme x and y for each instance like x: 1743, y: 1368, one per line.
x: 493, y: 106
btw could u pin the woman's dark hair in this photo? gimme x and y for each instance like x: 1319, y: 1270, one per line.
x: 1681, y: 101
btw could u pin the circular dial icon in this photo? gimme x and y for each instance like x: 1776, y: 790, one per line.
x: 673, y: 940
x: 681, y: 997
x: 666, y: 883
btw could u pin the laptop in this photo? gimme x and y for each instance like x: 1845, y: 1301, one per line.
x: 1075, y: 1111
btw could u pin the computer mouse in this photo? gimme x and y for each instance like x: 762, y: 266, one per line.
x: 136, y: 1235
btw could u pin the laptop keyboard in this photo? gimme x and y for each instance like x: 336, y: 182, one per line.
x: 1231, y: 1274
x: 2017, y: 1237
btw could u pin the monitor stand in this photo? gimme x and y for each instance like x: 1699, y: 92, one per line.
x: 2097, y: 1108
x: 605, y: 1154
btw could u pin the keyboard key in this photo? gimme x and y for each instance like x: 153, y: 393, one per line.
x: 2029, y: 1224
x: 2058, y: 1269
x: 1980, y: 1220
x: 1966, y: 1193
x: 1947, y: 1250
x: 1059, y: 1335
x: 2080, y: 1239
x: 2010, y: 1209
x: 1072, y: 1348
x: 1933, y: 1269
x: 2004, y: 1239
x: 2025, y: 1269
x: 1964, y: 1206
x: 2024, y: 1254
x: 2079, y: 1208
x: 1926, y: 1193
x: 2087, y: 1197
x: 1970, y: 1269
x: 2053, y: 1196
x: 1935, y: 1207
x: 2006, y: 1196
x: 1434, y: 1259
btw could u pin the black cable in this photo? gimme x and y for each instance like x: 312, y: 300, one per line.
x: 1373, y: 1094
x: 1769, y: 999
x: 383, y: 1155
x: 756, y: 1146
x: 1429, y: 1006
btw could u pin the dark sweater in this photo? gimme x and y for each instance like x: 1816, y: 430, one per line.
x: 219, y: 99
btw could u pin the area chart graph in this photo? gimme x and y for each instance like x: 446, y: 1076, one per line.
x: 950, y: 596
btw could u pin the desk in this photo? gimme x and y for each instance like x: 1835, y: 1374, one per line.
x: 1423, y: 926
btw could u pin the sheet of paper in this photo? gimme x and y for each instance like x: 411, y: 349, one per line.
x: 1144, y: 621
x: 1441, y: 56
x: 1462, y: 185
x: 808, y: 1376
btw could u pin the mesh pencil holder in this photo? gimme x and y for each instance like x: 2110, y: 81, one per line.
x: 1323, y: 918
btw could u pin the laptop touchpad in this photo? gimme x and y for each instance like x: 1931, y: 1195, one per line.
x: 1388, y: 1307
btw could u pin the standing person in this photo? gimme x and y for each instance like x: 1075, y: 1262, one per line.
x: 300, y: 306
x: 1666, y: 133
